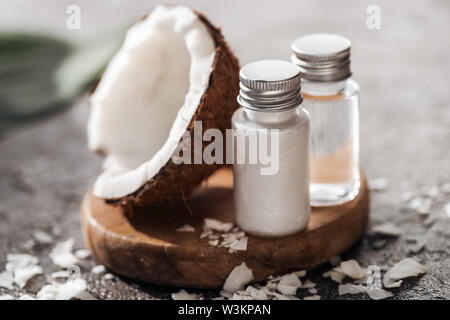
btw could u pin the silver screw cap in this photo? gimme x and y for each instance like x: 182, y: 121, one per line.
x: 322, y: 56
x: 270, y: 85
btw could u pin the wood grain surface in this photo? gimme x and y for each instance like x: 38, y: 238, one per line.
x: 148, y: 248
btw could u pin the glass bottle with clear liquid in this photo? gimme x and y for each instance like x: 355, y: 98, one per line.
x: 332, y: 99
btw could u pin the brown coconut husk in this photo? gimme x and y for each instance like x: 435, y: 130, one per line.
x: 215, y: 110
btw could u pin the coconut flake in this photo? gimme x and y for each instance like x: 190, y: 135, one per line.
x: 186, y: 228
x: 284, y: 297
x: 290, y: 280
x: 286, y: 289
x: 205, y: 233
x: 98, y: 269
x: 350, y: 288
x: 217, y: 225
x: 380, y: 243
x: 82, y: 254
x: 312, y: 290
x: 240, y: 245
x: 238, y: 278
x: 406, y: 268
x: 42, y: 237
x: 308, y: 284
x: 378, y: 184
x: 300, y: 273
x: 406, y: 196
x: 29, y: 244
x: 314, y: 297
x: 26, y: 297
x: 351, y: 268
x: 447, y: 209
x: 108, y: 276
x: 386, y: 229
x: 6, y: 297
x: 23, y: 274
x: 60, y: 274
x: 214, y: 243
x: 62, y: 255
x: 20, y: 260
x: 334, y: 275
x: 378, y: 294
x: 73, y: 288
x: 6, y: 280
x: 184, y: 295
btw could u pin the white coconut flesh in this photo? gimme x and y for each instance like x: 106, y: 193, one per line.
x: 148, y: 96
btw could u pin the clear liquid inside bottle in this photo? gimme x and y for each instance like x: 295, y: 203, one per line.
x: 334, y: 112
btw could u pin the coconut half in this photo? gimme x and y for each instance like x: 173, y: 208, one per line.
x: 174, y: 68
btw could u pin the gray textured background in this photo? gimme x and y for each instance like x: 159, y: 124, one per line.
x: 405, y: 123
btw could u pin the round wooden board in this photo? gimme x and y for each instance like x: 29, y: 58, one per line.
x: 147, y: 246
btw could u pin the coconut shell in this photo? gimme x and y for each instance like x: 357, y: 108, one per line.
x: 215, y: 110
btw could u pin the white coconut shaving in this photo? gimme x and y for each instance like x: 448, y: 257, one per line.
x: 378, y: 184
x: 22, y: 267
x: 386, y: 229
x: 82, y: 254
x: 238, y: 278
x: 184, y: 295
x: 406, y: 268
x: 6, y: 280
x: 28, y: 245
x: 378, y: 294
x: 286, y: 289
x: 23, y: 274
x: 60, y: 274
x: 300, y: 273
x: 312, y: 290
x: 447, y: 210
x: 214, y: 243
x: 108, y: 276
x: 62, y: 255
x: 290, y: 280
x: 186, y: 228
x: 73, y: 288
x: 278, y: 296
x: 98, y: 269
x: 217, y: 225
x: 314, y: 297
x: 308, y: 284
x: 352, y: 269
x: 232, y: 237
x: 6, y: 297
x: 15, y: 260
x: 240, y: 244
x: 43, y: 237
x: 205, y: 233
x: 26, y: 297
x: 350, y: 288
x: 334, y: 275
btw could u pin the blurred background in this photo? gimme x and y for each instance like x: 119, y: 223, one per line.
x: 47, y: 65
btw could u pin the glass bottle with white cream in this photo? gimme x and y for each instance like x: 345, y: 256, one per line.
x: 271, y: 150
x: 331, y: 97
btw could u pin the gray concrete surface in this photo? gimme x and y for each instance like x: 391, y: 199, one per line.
x: 405, y: 127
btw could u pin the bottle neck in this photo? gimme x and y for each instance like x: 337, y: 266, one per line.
x: 323, y: 89
x: 274, y: 117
